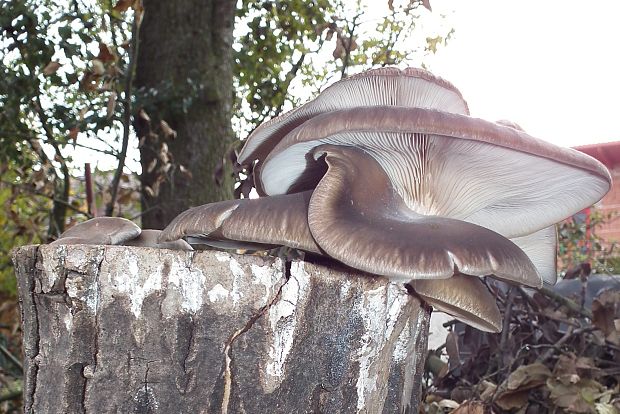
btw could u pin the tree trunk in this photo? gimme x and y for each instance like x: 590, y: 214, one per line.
x: 123, y: 329
x: 184, y: 76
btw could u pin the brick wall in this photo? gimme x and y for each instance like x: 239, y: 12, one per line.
x: 610, y: 232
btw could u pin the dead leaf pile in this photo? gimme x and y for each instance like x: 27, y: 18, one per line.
x: 555, y: 357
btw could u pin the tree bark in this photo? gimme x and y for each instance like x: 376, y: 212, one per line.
x: 184, y: 76
x: 124, y: 329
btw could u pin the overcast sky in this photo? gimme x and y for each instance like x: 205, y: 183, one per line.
x: 551, y: 66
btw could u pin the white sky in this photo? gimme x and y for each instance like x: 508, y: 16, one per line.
x: 552, y: 66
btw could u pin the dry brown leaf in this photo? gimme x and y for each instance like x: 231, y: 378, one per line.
x: 187, y: 173
x: 169, y: 133
x: 122, y: 5
x: 51, y: 68
x: 528, y: 376
x: 143, y: 115
x: 106, y: 54
x: 73, y: 133
x: 111, y: 105
x: 486, y: 389
x: 605, y: 312
x: 151, y: 166
x: 427, y: 4
x: 470, y: 407
x: 512, y: 399
x: 98, y: 67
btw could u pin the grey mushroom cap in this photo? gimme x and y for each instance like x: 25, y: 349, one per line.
x: 464, y: 297
x: 149, y: 238
x: 357, y: 217
x: 100, y: 230
x: 247, y: 224
x: 411, y: 87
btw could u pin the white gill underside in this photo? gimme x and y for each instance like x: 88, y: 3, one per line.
x: 509, y: 192
x: 540, y: 247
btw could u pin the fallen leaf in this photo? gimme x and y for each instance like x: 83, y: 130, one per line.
x: 470, y: 407
x: 606, y: 312
x: 512, y: 399
x: 528, y: 376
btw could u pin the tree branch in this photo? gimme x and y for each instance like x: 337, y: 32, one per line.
x: 135, y: 28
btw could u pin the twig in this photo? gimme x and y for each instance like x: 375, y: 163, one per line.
x: 347, y: 45
x: 566, y: 302
x: 135, y: 28
x: 59, y: 209
x: 89, y: 189
x: 51, y: 198
x: 11, y: 357
x: 568, y: 335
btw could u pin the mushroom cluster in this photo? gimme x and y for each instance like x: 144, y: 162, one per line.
x: 387, y: 173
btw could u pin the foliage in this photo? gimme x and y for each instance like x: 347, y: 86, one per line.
x: 579, y: 242
x: 549, y: 358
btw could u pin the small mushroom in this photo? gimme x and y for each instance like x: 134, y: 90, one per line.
x: 464, y: 297
x: 116, y: 231
x: 387, y: 173
x: 100, y: 230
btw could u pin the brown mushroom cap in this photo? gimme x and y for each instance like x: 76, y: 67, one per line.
x: 149, y: 238
x: 356, y: 216
x: 464, y: 297
x: 100, y: 230
x: 448, y: 165
x: 247, y: 223
x: 410, y: 87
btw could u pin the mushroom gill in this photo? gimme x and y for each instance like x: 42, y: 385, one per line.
x: 386, y: 173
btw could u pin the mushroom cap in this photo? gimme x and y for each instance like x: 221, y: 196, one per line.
x: 464, y: 297
x: 448, y: 165
x: 356, y: 216
x: 149, y: 238
x: 100, y: 230
x: 411, y: 87
x: 247, y: 224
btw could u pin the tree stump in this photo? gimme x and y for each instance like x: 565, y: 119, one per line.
x: 119, y: 329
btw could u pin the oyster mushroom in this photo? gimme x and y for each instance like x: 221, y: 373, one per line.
x: 411, y: 189
x: 116, y: 231
x: 100, y: 230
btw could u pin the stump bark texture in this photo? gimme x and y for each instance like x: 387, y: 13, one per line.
x: 111, y: 329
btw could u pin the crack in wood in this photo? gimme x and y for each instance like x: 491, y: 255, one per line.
x: 228, y: 377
